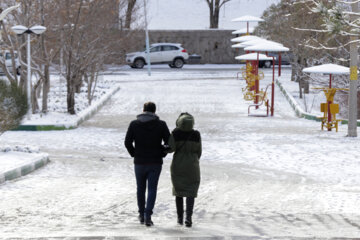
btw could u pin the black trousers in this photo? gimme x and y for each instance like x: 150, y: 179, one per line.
x: 190, y: 201
x: 147, y: 175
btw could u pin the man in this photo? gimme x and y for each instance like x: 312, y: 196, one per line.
x: 148, y: 133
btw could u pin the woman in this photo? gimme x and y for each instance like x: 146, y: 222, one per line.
x: 185, y: 142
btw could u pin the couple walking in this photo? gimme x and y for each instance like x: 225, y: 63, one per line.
x: 148, y: 140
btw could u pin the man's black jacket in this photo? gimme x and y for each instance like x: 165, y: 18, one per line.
x: 148, y: 133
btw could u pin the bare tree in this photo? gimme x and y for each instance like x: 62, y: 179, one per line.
x: 31, y: 13
x: 83, y: 31
x: 88, y: 41
x: 129, y: 13
x: 284, y: 23
x: 214, y: 9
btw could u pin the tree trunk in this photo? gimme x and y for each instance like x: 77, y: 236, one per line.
x: 46, y: 89
x: 211, y: 16
x: 70, y: 97
x: 129, y: 12
x: 300, y: 89
x: 293, y: 72
x: 46, y: 80
x: 216, y: 14
x: 34, y: 102
x: 214, y: 8
x: 306, y: 86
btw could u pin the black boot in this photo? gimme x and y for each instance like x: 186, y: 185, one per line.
x: 148, y: 221
x: 180, y: 210
x: 189, y: 211
x: 141, y: 218
x: 188, y: 221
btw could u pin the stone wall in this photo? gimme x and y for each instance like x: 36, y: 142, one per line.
x: 214, y: 46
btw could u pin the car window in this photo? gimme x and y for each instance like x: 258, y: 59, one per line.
x: 155, y: 49
x: 169, y: 48
x: 8, y: 56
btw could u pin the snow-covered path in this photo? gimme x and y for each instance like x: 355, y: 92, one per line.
x: 261, y: 177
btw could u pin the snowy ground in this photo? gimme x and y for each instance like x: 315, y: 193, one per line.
x: 14, y: 157
x: 57, y: 108
x: 279, y: 177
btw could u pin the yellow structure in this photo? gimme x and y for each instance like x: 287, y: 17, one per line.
x: 330, y: 109
x: 251, y: 78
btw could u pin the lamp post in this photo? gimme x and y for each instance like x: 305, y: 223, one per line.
x: 19, y: 30
x: 147, y: 42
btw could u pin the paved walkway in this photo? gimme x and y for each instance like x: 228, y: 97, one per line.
x: 260, y: 176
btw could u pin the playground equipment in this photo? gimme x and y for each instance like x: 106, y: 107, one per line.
x: 254, y: 44
x: 263, y: 100
x: 252, y: 76
x: 329, y: 109
x: 267, y: 47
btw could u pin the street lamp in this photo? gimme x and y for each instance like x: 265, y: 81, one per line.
x: 19, y: 30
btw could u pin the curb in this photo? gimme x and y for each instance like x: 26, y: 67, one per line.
x: 83, y: 116
x: 298, y: 110
x: 24, y: 169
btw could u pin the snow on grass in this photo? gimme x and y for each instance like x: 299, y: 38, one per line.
x: 57, y: 102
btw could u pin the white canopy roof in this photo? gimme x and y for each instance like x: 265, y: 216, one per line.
x: 247, y: 18
x: 243, y: 31
x: 267, y: 47
x: 253, y: 43
x: 260, y: 41
x: 245, y: 38
x: 328, y: 69
x: 238, y: 45
x: 253, y: 57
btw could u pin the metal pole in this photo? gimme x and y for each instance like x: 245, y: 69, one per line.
x: 29, y: 77
x: 328, y: 105
x: 352, y: 125
x: 147, y: 42
x: 257, y: 81
x: 279, y: 64
x: 273, y: 89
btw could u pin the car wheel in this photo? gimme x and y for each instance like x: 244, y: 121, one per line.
x: 178, y: 63
x: 139, y: 63
x: 267, y: 64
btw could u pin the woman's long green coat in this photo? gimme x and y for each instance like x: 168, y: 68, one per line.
x: 185, y: 142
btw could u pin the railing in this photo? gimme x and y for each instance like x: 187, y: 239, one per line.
x: 263, y: 100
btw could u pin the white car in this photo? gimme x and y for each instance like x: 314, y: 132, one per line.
x: 6, y: 56
x: 170, y: 53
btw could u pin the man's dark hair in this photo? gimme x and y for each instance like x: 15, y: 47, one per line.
x: 149, y: 107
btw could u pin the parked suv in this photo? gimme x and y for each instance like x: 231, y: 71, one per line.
x: 6, y: 56
x: 285, y: 60
x: 170, y: 53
